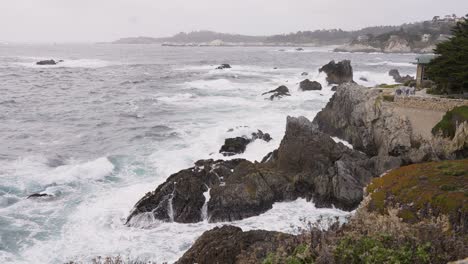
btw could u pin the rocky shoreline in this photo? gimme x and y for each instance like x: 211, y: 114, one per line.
x: 308, y: 164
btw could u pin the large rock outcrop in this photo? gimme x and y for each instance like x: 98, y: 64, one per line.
x: 338, y: 73
x: 237, y: 145
x: 359, y: 116
x: 308, y: 164
x: 230, y: 245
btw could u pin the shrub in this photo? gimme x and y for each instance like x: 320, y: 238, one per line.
x: 448, y: 125
x: 388, y: 98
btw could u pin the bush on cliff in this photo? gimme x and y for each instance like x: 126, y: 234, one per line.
x: 448, y: 125
x: 450, y: 68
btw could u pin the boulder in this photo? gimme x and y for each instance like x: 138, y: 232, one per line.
x: 304, y: 74
x: 224, y: 66
x: 233, y: 146
x: 299, y: 49
x: 307, y: 85
x: 338, y: 73
x: 47, y: 62
x: 278, y: 93
x: 364, y: 79
x: 334, y: 88
x: 230, y: 245
x: 398, y: 78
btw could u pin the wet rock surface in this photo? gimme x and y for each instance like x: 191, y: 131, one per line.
x: 278, y: 93
x: 229, y: 244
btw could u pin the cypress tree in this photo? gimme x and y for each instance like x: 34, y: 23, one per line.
x: 449, y: 70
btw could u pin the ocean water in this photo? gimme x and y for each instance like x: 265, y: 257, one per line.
x: 112, y: 122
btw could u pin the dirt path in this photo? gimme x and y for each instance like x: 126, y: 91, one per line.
x: 422, y: 121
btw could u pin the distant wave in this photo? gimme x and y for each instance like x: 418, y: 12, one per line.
x: 30, y: 62
x: 391, y: 63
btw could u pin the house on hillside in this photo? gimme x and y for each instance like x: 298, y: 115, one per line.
x: 421, y: 62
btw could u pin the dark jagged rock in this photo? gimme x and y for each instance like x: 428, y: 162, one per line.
x: 308, y: 85
x: 181, y: 198
x: 233, y: 146
x: 364, y: 79
x: 230, y: 245
x: 224, y: 66
x: 237, y: 145
x: 338, y: 73
x: 398, y: 78
x: 278, y: 92
x: 260, y: 135
x: 47, y: 62
x: 334, y: 88
x: 304, y: 74
x: 38, y: 195
x: 308, y: 164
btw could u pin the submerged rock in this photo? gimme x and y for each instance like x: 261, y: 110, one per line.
x: 38, y: 195
x: 47, y: 62
x: 278, y: 93
x: 224, y: 66
x: 229, y: 244
x: 304, y: 74
x: 308, y: 85
x: 233, y: 146
x: 338, y: 73
x: 238, y: 145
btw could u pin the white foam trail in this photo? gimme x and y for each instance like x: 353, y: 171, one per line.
x: 204, y: 211
x: 346, y: 143
x: 170, y: 206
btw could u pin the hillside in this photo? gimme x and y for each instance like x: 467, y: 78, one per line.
x: 418, y: 36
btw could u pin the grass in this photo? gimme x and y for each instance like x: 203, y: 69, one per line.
x: 384, y: 85
x: 448, y: 125
x: 440, y: 186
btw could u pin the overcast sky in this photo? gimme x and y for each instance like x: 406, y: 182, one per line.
x: 106, y: 20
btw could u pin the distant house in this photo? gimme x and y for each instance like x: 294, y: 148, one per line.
x: 421, y: 62
x: 362, y: 38
x: 426, y: 37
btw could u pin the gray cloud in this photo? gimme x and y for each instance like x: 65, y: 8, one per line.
x: 105, y: 20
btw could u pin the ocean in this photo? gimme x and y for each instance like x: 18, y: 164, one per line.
x: 112, y: 122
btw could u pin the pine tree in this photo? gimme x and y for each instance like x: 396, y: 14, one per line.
x: 449, y: 70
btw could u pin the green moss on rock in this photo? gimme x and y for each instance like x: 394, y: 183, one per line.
x: 423, y: 190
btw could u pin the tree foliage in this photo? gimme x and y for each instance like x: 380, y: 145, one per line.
x: 450, y: 68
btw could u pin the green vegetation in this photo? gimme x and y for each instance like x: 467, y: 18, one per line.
x: 449, y: 70
x: 381, y: 249
x: 448, y: 125
x: 440, y: 186
x: 414, y: 214
x: 388, y: 98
